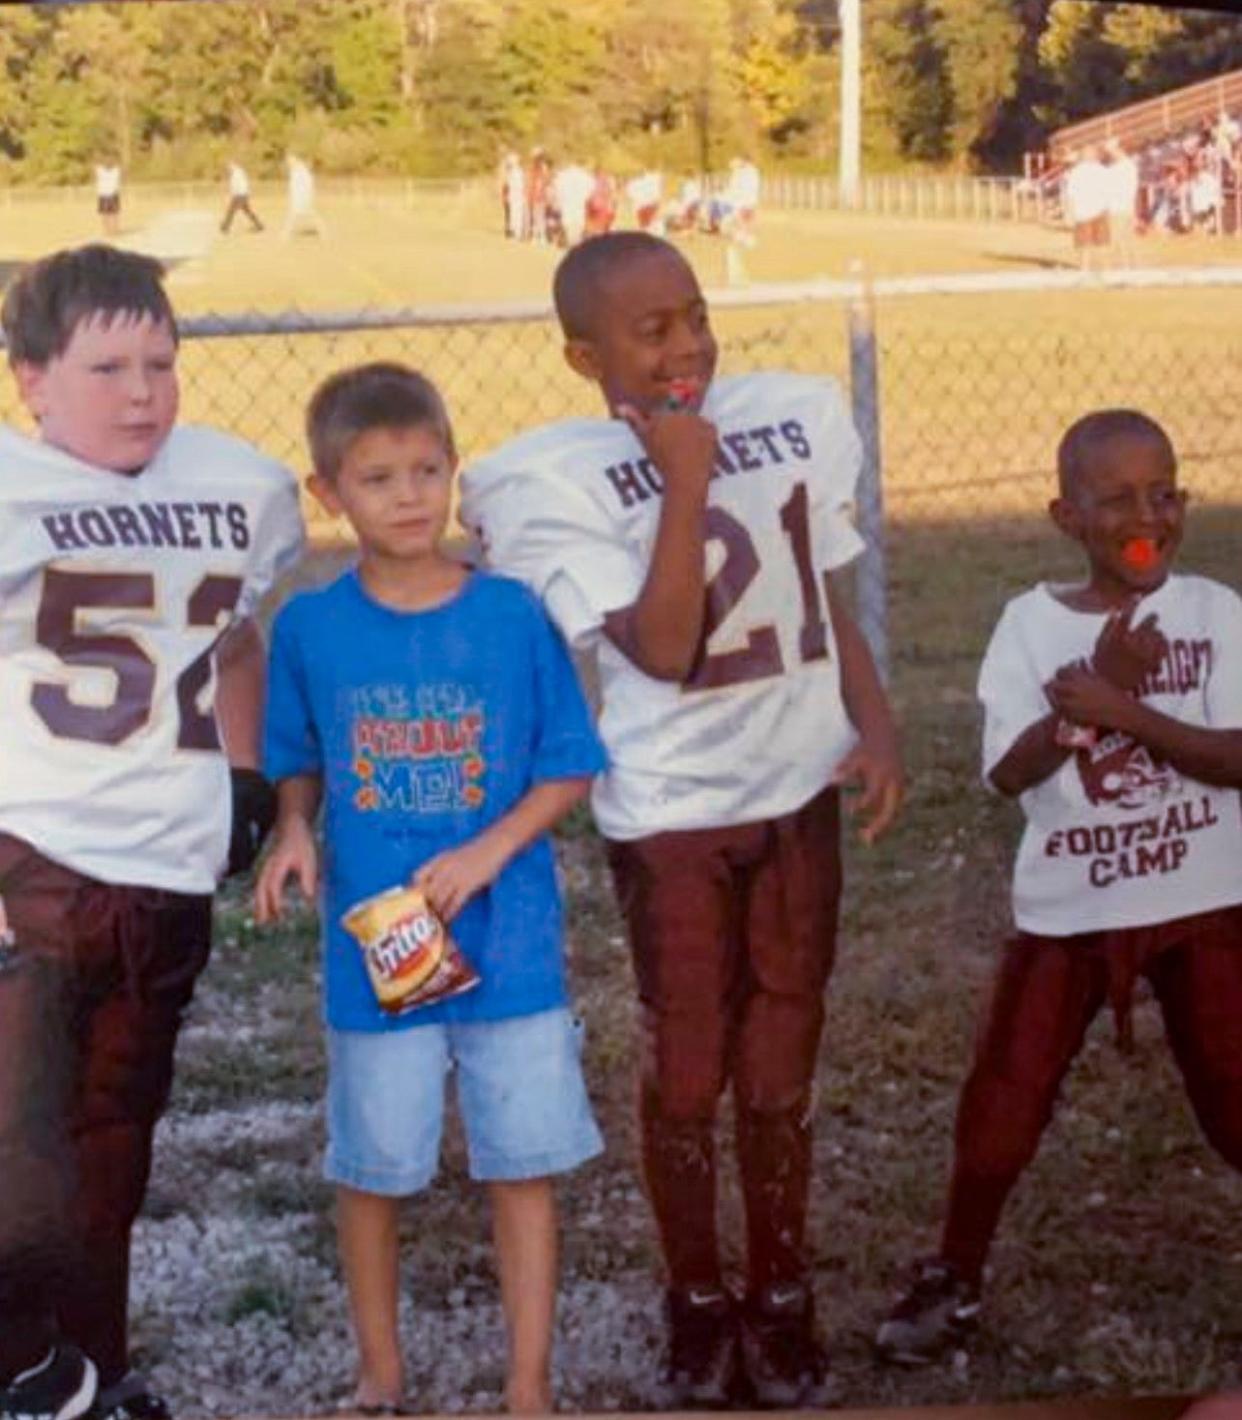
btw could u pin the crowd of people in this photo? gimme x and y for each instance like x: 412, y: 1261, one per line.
x: 561, y: 204
x: 1111, y: 192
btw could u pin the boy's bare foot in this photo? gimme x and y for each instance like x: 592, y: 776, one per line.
x: 528, y: 1399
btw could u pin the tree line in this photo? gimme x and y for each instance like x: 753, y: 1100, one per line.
x: 443, y: 87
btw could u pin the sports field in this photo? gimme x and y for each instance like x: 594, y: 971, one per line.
x: 1118, y: 1269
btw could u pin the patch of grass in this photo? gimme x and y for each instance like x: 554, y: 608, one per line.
x: 262, y: 1291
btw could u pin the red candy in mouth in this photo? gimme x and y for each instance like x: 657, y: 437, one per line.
x: 681, y: 394
x: 1140, y: 553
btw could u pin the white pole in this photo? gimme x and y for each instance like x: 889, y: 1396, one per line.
x: 851, y: 104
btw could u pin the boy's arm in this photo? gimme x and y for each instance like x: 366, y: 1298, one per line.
x: 876, y: 759
x: 1034, y: 756
x: 241, y: 670
x: 452, y: 878
x: 293, y: 846
x: 661, y: 631
x: 1212, y: 756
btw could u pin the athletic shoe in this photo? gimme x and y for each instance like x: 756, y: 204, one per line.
x: 129, y: 1399
x: 938, y: 1312
x: 781, y: 1356
x: 701, y: 1363
x: 60, y: 1387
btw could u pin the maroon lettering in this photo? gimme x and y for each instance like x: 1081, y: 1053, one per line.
x: 64, y: 595
x: 239, y: 529
x: 213, y: 512
x: 624, y: 479
x: 739, y: 447
x: 766, y: 434
x: 761, y: 655
x: 210, y: 605
x: 96, y: 529
x: 159, y: 521
x: 61, y: 530
x: 128, y: 527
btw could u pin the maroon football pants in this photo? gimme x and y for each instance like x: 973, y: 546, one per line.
x: 1047, y: 992
x: 91, y: 1000
x: 732, y: 932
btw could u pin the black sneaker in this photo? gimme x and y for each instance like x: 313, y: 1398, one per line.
x: 701, y: 1362
x: 781, y: 1356
x: 130, y: 1399
x: 937, y: 1313
x: 60, y: 1387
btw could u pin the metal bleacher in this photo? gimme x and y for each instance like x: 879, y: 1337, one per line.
x: 1150, y: 120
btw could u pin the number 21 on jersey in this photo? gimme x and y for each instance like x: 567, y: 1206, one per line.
x: 761, y: 655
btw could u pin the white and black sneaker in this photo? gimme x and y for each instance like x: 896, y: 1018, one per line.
x: 937, y: 1313
x: 130, y: 1399
x: 61, y: 1387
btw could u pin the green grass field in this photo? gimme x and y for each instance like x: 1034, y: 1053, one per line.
x: 1118, y: 1269
x: 975, y: 389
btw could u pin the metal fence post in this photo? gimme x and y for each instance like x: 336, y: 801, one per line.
x: 870, y: 581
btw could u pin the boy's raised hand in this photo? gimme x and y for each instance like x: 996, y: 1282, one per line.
x: 293, y: 854
x: 875, y: 768
x: 681, y: 444
x: 1124, y: 654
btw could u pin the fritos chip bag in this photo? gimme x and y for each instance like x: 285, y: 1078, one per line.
x: 410, y: 958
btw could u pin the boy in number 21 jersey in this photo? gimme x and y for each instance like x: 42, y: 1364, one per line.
x: 686, y: 542
x: 132, y: 554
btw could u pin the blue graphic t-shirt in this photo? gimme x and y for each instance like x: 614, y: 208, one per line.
x: 426, y: 727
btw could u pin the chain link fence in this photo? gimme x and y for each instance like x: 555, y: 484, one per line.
x: 961, y: 386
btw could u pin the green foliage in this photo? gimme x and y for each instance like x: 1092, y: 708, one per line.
x: 445, y: 86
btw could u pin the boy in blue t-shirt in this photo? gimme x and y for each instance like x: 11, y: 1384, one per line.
x: 438, y: 715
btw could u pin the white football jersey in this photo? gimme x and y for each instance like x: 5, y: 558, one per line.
x: 759, y: 726
x: 114, y: 590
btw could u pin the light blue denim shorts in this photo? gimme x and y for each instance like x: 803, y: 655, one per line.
x: 519, y: 1089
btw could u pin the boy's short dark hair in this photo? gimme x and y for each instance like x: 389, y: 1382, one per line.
x: 575, y: 287
x: 1083, y: 438
x: 52, y: 296
x: 382, y: 394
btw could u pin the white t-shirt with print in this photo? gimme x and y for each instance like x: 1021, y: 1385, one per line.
x: 572, y: 509
x: 1116, y: 837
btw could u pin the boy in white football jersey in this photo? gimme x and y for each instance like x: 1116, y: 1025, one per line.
x: 686, y: 541
x: 132, y: 554
x: 1124, y: 743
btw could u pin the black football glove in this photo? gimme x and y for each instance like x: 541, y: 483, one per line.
x: 254, y: 812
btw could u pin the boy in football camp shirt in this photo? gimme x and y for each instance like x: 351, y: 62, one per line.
x: 1113, y: 711
x: 437, y: 713
x: 686, y: 542
x: 132, y: 554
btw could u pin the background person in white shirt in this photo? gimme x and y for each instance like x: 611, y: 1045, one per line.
x: 1205, y: 196
x: 239, y: 199
x: 572, y: 186
x: 302, y: 215
x: 1086, y: 206
x: 108, y: 196
x: 1113, y: 711
x: 1121, y: 184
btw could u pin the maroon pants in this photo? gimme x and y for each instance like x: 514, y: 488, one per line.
x: 732, y: 932
x: 1047, y: 992
x: 91, y: 1000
